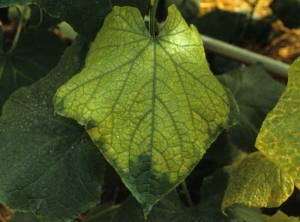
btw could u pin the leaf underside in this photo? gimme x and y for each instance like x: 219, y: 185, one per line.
x: 150, y: 104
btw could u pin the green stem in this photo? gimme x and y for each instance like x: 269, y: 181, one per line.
x: 152, y: 17
x: 245, y: 56
x: 187, y: 194
x: 18, y: 32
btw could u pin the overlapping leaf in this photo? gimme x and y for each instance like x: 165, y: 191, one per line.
x: 256, y: 93
x: 101, y: 213
x: 258, y: 182
x: 24, y: 217
x: 279, y: 136
x: 151, y: 104
x: 36, y: 53
x: 86, y: 17
x: 49, y: 166
x: 170, y: 207
x: 280, y: 217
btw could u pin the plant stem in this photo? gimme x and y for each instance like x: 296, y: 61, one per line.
x: 230, y: 51
x: 187, y: 194
x: 19, y: 28
x: 152, y: 17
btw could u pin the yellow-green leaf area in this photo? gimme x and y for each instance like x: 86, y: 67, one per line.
x: 279, y: 136
x: 150, y: 104
x: 280, y: 217
x: 257, y: 182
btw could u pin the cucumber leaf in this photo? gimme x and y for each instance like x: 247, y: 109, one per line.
x: 279, y: 136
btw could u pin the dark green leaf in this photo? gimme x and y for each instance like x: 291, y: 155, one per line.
x: 41, y: 19
x: 36, y: 53
x: 101, y: 213
x: 189, y: 9
x: 256, y: 94
x: 222, y: 25
x: 170, y: 208
x: 85, y: 16
x: 23, y: 217
x: 49, y: 166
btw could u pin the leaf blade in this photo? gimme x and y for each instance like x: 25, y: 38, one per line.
x: 257, y: 182
x: 49, y: 165
x: 152, y: 113
x: 278, y: 138
x: 37, y: 52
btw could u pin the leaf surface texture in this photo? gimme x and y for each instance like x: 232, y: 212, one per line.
x: 49, y: 165
x: 258, y: 182
x: 150, y: 104
x: 279, y: 136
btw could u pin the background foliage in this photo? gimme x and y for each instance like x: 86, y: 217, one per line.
x: 52, y: 170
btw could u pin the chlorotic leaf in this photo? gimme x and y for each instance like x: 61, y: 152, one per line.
x: 36, y: 53
x: 257, y: 182
x: 86, y: 17
x: 280, y: 217
x: 49, y: 165
x: 279, y: 136
x: 150, y: 104
x: 170, y: 207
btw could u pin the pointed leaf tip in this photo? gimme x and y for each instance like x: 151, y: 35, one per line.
x: 152, y: 103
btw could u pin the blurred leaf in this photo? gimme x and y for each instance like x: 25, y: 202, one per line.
x: 16, y: 11
x: 5, y: 213
x: 222, y: 25
x: 36, y: 53
x: 279, y: 136
x: 287, y: 11
x: 256, y: 94
x: 23, y: 217
x: 170, y: 208
x: 189, y: 9
x: 223, y: 152
x: 41, y: 19
x: 280, y: 217
x: 101, y: 213
x: 257, y: 182
x: 66, y: 30
x: 86, y: 17
x: 49, y: 166
x: 151, y: 104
